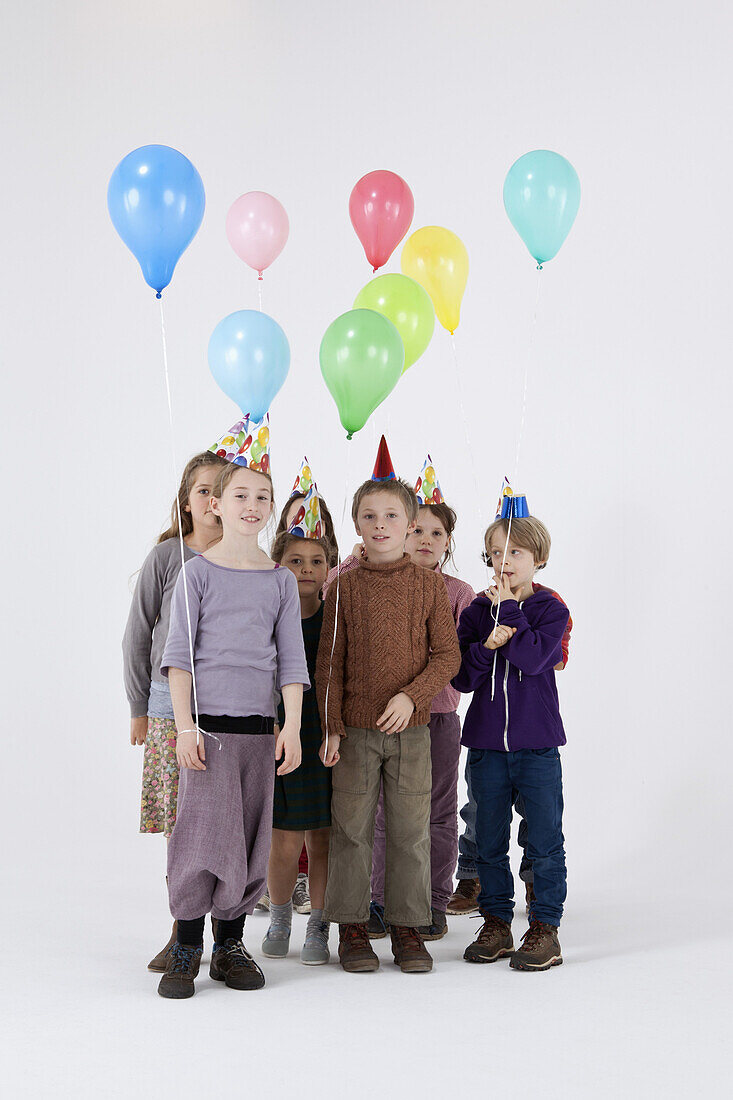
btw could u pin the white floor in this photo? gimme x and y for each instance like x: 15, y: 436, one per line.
x: 641, y: 1007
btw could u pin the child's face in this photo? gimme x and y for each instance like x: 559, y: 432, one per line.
x: 307, y: 560
x: 519, y: 564
x: 382, y: 524
x: 246, y: 503
x: 199, y: 498
x: 428, y: 541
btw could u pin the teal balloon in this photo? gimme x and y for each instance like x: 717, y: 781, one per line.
x: 362, y: 357
x: 541, y: 198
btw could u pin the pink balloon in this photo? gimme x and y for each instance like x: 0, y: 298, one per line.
x: 257, y: 229
x: 381, y: 208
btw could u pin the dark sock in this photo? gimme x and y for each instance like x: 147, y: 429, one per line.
x: 230, y: 929
x: 191, y: 932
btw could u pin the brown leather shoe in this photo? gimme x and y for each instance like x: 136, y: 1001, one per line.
x: 355, y: 951
x: 540, y: 948
x: 465, y: 897
x: 158, y: 964
x: 181, y: 968
x: 493, y: 942
x: 410, y: 953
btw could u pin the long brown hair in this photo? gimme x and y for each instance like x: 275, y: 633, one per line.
x: 448, y: 518
x: 329, y: 535
x: 204, y: 458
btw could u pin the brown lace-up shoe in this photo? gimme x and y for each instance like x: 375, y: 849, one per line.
x: 232, y: 963
x: 493, y: 942
x: 540, y: 948
x: 158, y: 964
x: 355, y: 952
x: 465, y: 897
x: 181, y: 968
x: 410, y: 953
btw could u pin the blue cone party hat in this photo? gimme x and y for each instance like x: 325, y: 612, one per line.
x: 511, y: 505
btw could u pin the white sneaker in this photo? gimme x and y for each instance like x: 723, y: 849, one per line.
x: 301, y: 895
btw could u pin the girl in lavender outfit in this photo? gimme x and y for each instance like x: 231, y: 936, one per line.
x: 247, y: 645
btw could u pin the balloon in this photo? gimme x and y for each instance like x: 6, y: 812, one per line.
x: 249, y: 357
x: 437, y: 259
x: 381, y: 208
x: 407, y: 305
x: 362, y: 358
x: 541, y: 198
x: 257, y: 229
x: 156, y: 202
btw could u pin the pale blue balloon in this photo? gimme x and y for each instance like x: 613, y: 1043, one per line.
x: 541, y: 198
x: 156, y: 202
x: 249, y: 357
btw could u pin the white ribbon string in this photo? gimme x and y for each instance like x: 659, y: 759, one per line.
x: 338, y: 595
x: 180, y: 521
x: 527, y: 362
x: 464, y: 418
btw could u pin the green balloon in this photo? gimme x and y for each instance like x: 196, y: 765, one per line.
x: 362, y: 357
x: 407, y: 305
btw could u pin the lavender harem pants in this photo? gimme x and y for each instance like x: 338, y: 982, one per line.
x: 220, y: 845
x: 445, y: 752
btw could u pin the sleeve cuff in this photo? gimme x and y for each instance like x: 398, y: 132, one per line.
x: 139, y: 708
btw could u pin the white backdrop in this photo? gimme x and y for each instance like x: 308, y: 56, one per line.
x: 624, y: 456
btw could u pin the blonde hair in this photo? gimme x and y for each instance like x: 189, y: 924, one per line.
x: 397, y: 487
x: 528, y: 533
x: 198, y: 462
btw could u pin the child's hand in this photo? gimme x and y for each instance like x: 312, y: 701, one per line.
x: 501, y: 590
x: 397, y: 714
x: 287, y: 745
x: 334, y: 743
x: 138, y: 730
x: 499, y: 636
x: 359, y: 552
x: 190, y: 752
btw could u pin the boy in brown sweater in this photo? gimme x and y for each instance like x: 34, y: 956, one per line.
x: 395, y: 649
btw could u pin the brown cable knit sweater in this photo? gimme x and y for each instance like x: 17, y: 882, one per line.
x: 395, y: 633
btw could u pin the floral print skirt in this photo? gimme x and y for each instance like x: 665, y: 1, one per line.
x: 160, y: 778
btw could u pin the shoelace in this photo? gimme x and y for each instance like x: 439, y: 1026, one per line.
x: 238, y: 951
x: 357, y: 935
x: 408, y: 936
x: 183, y: 957
x: 534, y: 934
x: 317, y: 933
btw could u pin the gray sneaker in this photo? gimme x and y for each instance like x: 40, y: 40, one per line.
x: 276, y: 943
x: 264, y: 903
x: 301, y: 894
x: 315, y: 949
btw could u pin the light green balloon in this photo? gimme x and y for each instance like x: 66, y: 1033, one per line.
x: 407, y: 305
x: 362, y: 357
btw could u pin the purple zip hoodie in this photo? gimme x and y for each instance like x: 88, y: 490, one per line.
x: 524, y: 712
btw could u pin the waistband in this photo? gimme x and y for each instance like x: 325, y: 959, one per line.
x: 228, y: 723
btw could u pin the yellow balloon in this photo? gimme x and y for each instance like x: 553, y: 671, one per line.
x: 438, y: 260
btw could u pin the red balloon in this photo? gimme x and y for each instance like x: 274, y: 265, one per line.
x: 381, y: 209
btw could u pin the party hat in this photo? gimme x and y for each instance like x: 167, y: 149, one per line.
x: 427, y: 486
x: 511, y: 505
x: 247, y: 443
x: 307, y: 522
x: 304, y: 480
x: 383, y: 468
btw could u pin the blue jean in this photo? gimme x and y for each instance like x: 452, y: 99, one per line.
x: 467, y: 840
x: 536, y: 774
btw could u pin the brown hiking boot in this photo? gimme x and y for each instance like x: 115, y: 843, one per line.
x: 410, y: 953
x: 158, y: 964
x: 529, y: 898
x: 355, y: 952
x: 493, y: 942
x: 181, y: 969
x: 540, y: 948
x: 465, y: 897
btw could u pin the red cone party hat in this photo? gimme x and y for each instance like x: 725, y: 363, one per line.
x: 383, y: 468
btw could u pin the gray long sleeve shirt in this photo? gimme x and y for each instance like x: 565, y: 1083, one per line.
x: 147, y: 624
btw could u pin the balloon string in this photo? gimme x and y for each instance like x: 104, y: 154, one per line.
x: 466, y: 431
x: 259, y: 293
x: 338, y: 596
x: 530, y: 354
x: 178, y: 511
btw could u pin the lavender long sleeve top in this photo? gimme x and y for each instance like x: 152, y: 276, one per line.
x: 247, y: 636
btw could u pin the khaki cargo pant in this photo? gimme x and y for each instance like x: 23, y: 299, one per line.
x: 400, y: 763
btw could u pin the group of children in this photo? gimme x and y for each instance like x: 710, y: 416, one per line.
x: 289, y: 703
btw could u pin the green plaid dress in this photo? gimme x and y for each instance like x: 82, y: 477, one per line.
x: 303, y: 798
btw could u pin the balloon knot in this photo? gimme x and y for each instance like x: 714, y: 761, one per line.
x: 349, y: 435
x: 260, y: 277
x: 539, y: 267
x: 158, y: 294
x: 375, y: 270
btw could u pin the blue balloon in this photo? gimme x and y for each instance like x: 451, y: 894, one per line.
x: 541, y: 198
x: 156, y: 202
x: 249, y: 357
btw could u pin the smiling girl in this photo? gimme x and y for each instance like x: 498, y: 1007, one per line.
x: 151, y: 710
x: 244, y: 615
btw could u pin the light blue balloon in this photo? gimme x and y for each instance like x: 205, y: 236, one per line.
x: 156, y: 202
x: 541, y: 197
x: 249, y: 357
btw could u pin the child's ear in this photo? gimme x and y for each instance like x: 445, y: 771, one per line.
x: 539, y: 565
x: 214, y: 505
x: 356, y: 528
